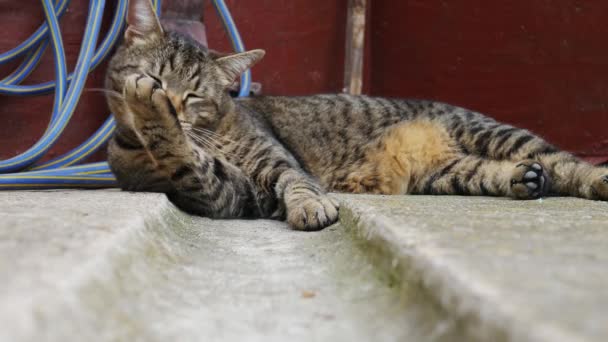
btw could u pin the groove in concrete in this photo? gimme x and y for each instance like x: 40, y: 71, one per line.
x: 503, y: 269
x: 109, y: 265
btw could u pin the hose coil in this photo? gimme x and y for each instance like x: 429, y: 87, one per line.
x: 23, y: 171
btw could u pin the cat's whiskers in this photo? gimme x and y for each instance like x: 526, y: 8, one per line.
x: 210, y: 137
x: 107, y: 91
x: 186, y: 126
x: 210, y: 132
x: 206, y: 142
x: 219, y: 138
x: 211, y: 146
x: 203, y: 143
x: 219, y: 142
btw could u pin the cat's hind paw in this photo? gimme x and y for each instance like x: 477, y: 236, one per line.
x: 528, y: 180
x: 599, y: 188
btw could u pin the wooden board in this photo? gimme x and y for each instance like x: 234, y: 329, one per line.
x: 538, y: 64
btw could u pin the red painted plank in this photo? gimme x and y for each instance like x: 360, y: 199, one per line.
x: 538, y: 64
x: 304, y: 41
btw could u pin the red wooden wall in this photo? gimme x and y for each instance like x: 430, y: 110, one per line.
x: 539, y: 64
x: 303, y: 39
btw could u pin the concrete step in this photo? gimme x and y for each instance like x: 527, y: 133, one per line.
x: 501, y: 269
x: 109, y: 265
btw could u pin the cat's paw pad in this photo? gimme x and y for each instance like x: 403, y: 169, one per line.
x: 145, y: 96
x: 528, y: 180
x: 599, y: 188
x: 312, y: 213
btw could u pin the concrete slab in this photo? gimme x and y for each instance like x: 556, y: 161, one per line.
x: 109, y: 265
x: 53, y: 244
x: 503, y: 269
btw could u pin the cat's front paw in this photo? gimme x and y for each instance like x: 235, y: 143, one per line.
x: 312, y: 212
x: 145, y: 97
x: 528, y: 180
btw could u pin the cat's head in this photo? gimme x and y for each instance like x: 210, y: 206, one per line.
x: 195, y: 79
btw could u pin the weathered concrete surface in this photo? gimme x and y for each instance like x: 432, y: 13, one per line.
x: 55, y: 245
x: 109, y: 265
x: 504, y: 269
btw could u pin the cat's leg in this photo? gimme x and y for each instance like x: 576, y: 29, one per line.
x: 128, y: 157
x: 566, y: 175
x: 570, y: 176
x: 132, y: 165
x: 307, y: 205
x: 472, y: 175
x: 200, y: 183
x: 300, y: 198
x: 485, y: 137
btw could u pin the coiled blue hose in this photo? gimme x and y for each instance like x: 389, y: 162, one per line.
x: 22, y: 172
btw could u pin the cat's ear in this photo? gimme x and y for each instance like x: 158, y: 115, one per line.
x: 234, y: 65
x: 142, y: 22
x: 217, y: 54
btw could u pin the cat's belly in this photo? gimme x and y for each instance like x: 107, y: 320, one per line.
x: 396, y: 161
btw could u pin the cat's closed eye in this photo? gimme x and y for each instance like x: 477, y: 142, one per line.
x: 192, y: 98
x: 158, y: 80
x: 200, y: 106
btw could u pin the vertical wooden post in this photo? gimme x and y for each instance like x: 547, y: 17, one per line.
x: 355, y: 39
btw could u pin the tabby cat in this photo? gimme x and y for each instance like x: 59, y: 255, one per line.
x: 180, y: 132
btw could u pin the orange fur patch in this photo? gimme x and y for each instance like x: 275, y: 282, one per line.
x: 404, y: 154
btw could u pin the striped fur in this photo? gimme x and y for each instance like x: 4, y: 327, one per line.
x: 179, y: 132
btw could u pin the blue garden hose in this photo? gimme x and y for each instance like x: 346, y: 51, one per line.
x: 22, y: 171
